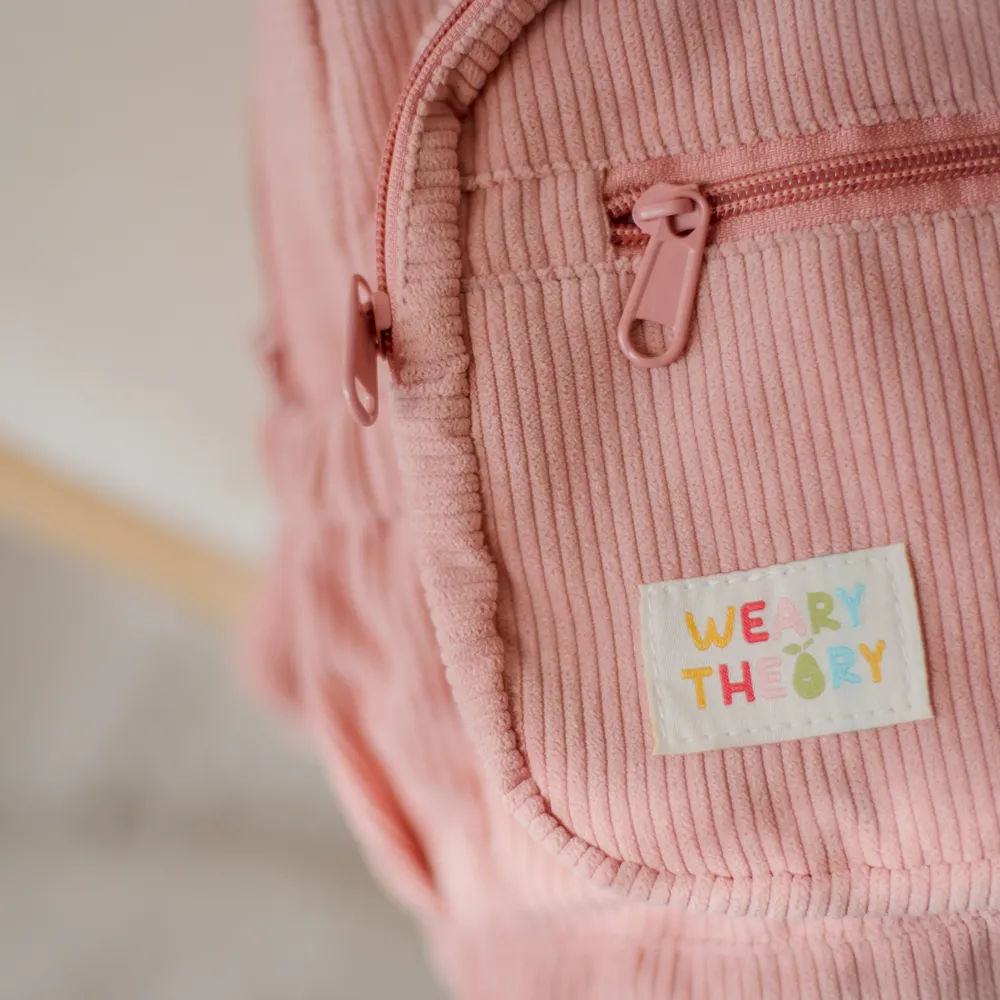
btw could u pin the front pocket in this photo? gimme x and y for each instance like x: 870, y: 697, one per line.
x: 839, y: 392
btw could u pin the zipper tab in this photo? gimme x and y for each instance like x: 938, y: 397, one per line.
x: 369, y: 326
x: 676, y: 219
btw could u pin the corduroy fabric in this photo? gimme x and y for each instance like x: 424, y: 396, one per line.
x: 839, y: 392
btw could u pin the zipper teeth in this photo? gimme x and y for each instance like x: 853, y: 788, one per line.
x: 729, y: 199
x: 385, y: 169
x: 802, y: 183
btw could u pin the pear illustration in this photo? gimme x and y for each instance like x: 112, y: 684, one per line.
x: 807, y: 679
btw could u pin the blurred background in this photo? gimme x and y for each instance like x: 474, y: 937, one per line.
x: 160, y: 834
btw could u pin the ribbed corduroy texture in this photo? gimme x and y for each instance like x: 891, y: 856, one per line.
x: 341, y: 637
x: 810, y: 416
x: 840, y: 392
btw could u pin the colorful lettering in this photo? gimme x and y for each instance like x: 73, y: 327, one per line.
x: 853, y: 603
x: 820, y: 605
x: 874, y: 659
x: 745, y: 687
x: 768, y: 682
x: 712, y: 636
x: 787, y: 618
x: 698, y: 675
x: 842, y: 658
x: 751, y: 623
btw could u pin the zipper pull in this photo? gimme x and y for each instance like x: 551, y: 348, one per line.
x: 369, y: 323
x: 676, y: 220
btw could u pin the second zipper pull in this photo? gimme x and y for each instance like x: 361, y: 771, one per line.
x: 676, y: 220
x: 369, y: 321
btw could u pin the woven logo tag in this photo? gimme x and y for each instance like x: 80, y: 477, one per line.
x: 829, y: 645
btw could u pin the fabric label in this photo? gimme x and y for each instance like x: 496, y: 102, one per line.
x: 828, y: 645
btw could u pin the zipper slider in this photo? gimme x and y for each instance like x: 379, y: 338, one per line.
x: 676, y: 220
x: 369, y: 325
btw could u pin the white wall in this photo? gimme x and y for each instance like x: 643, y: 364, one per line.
x: 128, y: 292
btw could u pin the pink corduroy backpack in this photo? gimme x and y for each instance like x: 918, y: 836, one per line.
x: 652, y: 633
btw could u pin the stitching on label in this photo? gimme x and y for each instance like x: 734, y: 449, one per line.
x: 657, y: 666
x: 766, y: 574
x: 882, y: 559
x: 903, y: 644
x: 876, y: 713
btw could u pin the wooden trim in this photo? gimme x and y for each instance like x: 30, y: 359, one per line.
x: 58, y: 511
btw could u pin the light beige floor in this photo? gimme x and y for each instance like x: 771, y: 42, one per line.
x: 160, y: 836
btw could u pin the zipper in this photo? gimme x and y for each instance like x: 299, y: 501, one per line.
x: 369, y: 337
x: 675, y: 222
x: 403, y: 114
x: 370, y: 319
x: 852, y: 174
x: 669, y: 224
